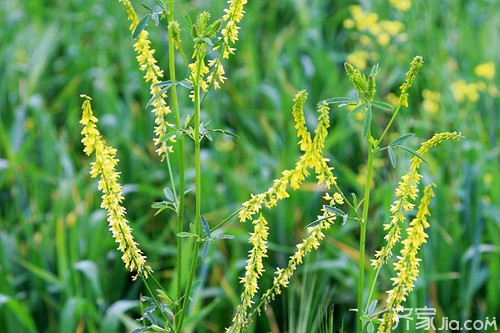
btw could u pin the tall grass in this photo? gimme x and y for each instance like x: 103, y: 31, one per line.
x: 58, y: 267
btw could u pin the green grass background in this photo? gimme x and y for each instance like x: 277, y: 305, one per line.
x: 59, y: 270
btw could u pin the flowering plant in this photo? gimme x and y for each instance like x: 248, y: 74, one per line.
x: 206, y: 71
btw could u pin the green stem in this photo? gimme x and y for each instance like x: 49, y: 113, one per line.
x: 372, y: 288
x: 362, y: 240
x: 390, y: 122
x: 180, y: 149
x: 197, y: 218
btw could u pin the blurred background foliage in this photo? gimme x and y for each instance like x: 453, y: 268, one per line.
x: 59, y: 270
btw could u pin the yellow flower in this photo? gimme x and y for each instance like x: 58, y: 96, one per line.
x: 486, y: 70
x: 391, y: 27
x: 358, y: 59
x: 104, y: 166
x: 153, y: 74
x: 407, y: 266
x: 406, y: 193
x: 349, y: 23
x: 401, y: 5
x: 312, y: 158
x: 383, y: 39
x: 463, y: 91
x: 415, y: 66
x: 431, y: 101
x: 233, y: 15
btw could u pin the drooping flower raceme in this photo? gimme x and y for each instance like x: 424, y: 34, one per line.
x: 153, y: 74
x: 104, y: 168
x: 406, y: 267
x: 312, y: 158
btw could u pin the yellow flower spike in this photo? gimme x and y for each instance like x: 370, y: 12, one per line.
x: 232, y: 17
x: 253, y: 271
x: 175, y: 32
x: 300, y: 120
x: 415, y: 66
x: 406, y: 193
x: 408, y: 263
x: 104, y: 166
x: 321, y: 131
x: 153, y: 74
x: 432, y: 142
x: 312, y: 158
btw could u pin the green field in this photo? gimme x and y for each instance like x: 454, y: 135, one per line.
x: 59, y: 267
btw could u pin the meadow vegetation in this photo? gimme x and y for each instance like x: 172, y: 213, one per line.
x: 60, y: 270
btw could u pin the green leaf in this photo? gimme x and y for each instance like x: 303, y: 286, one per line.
x: 334, y: 210
x: 411, y: 151
x: 187, y: 18
x: 205, y: 226
x: 140, y: 26
x: 159, y: 93
x: 147, y: 7
x: 375, y: 70
x: 392, y: 156
x: 206, y: 247
x: 223, y: 237
x: 368, y: 121
x: 158, y: 205
x: 224, y: 132
x: 370, y: 328
x: 401, y: 139
x: 185, y: 234
x: 337, y: 211
x: 371, y: 307
x: 163, y: 83
x: 358, y: 109
x: 342, y: 101
x: 168, y: 194
x: 164, y: 295
x: 381, y: 105
x: 364, y: 318
x: 185, y: 84
x: 204, y: 132
x: 162, y: 4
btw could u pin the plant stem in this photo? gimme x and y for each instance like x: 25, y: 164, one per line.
x: 362, y: 240
x: 390, y: 122
x: 180, y: 148
x: 197, y: 218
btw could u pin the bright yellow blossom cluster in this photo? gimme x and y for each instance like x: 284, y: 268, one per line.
x: 406, y: 193
x: 312, y: 158
x: 153, y: 74
x: 104, y: 166
x: 369, y: 28
x: 470, y: 91
x: 233, y: 15
x: 415, y: 66
x: 253, y: 271
x: 431, y: 101
x: 401, y: 5
x: 485, y: 70
x: 407, y: 265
